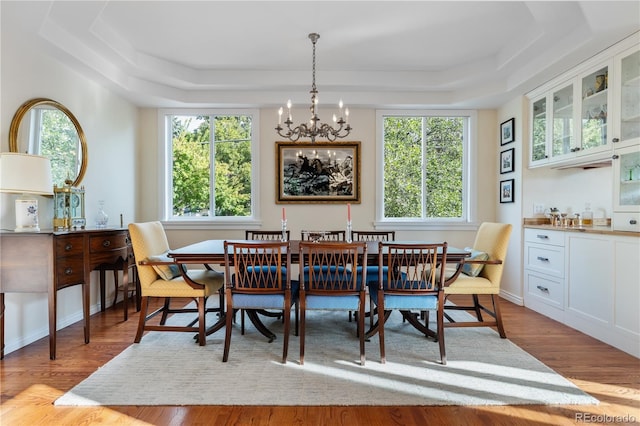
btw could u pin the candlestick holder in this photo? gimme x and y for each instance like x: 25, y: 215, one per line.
x: 284, y: 231
x: 348, y: 233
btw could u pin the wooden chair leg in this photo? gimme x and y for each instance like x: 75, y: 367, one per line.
x: 496, y: 309
x: 476, y: 305
x: 227, y: 333
x: 202, y: 301
x: 165, y: 311
x: 287, y: 326
x: 302, y: 325
x: 381, y: 321
x: 142, y: 319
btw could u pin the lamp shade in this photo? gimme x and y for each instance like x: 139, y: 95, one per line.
x: 25, y: 174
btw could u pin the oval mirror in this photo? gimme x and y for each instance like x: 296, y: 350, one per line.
x: 45, y: 127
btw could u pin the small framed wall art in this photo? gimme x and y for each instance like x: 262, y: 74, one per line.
x: 507, y: 131
x: 506, y: 161
x: 506, y: 191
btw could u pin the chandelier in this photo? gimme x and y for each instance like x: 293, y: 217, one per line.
x: 314, y: 128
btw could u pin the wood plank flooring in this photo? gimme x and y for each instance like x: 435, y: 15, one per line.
x: 30, y: 382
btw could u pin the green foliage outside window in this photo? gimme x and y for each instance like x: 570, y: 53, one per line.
x: 192, y: 153
x: 423, y: 167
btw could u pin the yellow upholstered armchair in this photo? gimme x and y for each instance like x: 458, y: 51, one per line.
x: 161, y: 277
x: 481, y: 275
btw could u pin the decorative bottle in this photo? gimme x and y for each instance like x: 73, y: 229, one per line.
x: 587, y: 215
x: 102, y: 219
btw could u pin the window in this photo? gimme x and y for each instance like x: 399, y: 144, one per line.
x: 209, y: 174
x: 424, y: 167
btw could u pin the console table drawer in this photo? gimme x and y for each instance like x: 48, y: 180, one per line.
x: 68, y: 245
x: 69, y: 270
x: 108, y: 242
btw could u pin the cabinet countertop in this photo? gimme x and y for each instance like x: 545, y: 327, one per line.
x: 602, y: 230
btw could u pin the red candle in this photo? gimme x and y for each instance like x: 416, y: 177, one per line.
x: 349, y: 212
x: 284, y: 214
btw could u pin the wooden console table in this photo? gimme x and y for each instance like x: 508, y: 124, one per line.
x: 48, y: 261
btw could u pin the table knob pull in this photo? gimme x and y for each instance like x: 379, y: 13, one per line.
x: 68, y: 247
x: 106, y: 243
x: 68, y: 271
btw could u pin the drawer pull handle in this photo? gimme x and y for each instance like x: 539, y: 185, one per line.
x: 633, y: 222
x: 68, y: 271
x: 543, y: 259
x: 106, y: 243
x: 68, y: 247
x: 542, y: 236
x: 543, y: 289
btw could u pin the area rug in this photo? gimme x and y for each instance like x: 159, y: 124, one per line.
x: 170, y: 369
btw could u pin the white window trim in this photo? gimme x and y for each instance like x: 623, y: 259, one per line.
x: 469, y: 176
x: 164, y: 163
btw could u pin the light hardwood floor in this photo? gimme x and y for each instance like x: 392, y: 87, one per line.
x: 30, y: 382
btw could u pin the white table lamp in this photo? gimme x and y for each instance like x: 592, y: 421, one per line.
x: 28, y: 175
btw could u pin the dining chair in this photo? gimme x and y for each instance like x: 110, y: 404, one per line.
x: 161, y: 277
x: 372, y: 270
x: 414, y: 282
x: 258, y: 276
x: 323, y: 235
x: 265, y: 235
x: 481, y: 274
x: 328, y: 281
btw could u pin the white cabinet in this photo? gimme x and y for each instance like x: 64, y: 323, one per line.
x: 552, y: 125
x: 544, y: 270
x: 626, y: 129
x: 586, y: 280
x: 603, y: 288
x: 594, y: 111
x: 626, y: 189
x: 576, y: 118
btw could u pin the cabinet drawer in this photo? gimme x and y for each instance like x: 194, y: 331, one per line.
x: 546, y: 289
x: 545, y: 259
x: 108, y: 242
x: 67, y: 245
x: 544, y: 236
x: 626, y: 221
x: 69, y: 270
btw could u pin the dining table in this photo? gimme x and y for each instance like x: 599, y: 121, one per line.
x: 212, y: 252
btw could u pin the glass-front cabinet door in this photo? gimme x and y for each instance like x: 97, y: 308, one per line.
x: 626, y: 191
x: 562, y: 140
x: 627, y: 93
x: 538, y: 153
x: 594, y: 111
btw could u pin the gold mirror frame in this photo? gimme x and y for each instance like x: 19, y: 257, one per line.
x: 33, y: 103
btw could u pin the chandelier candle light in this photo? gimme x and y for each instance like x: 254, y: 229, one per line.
x: 349, y: 229
x: 283, y: 238
x: 314, y: 128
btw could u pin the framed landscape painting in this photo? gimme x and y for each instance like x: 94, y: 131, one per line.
x: 320, y: 172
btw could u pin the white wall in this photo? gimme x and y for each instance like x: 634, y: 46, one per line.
x: 110, y: 125
x: 511, y: 286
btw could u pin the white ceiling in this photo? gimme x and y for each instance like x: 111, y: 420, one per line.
x: 472, y: 54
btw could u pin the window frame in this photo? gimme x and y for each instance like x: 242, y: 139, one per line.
x: 469, y: 190
x: 165, y: 164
